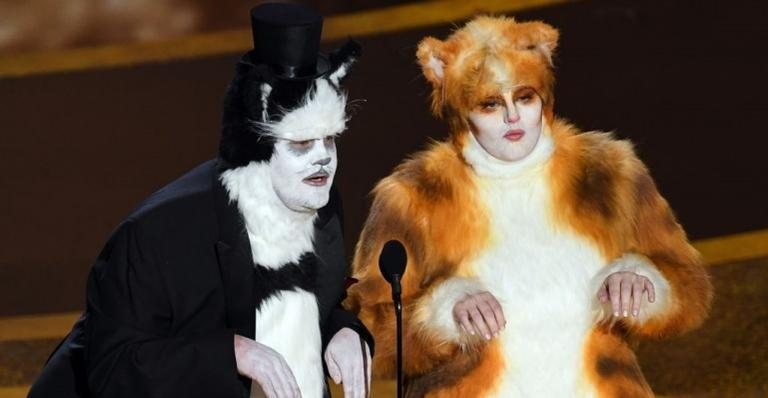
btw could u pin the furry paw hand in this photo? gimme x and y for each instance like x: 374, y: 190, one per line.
x: 625, y: 289
x: 348, y: 364
x: 265, y: 366
x: 480, y: 314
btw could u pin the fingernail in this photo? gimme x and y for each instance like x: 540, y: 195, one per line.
x: 634, y: 313
x: 616, y: 313
x: 487, y: 336
x: 625, y: 314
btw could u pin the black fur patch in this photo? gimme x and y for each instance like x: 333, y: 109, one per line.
x: 444, y: 376
x: 347, y: 54
x: 269, y: 282
x: 242, y: 140
x: 609, y: 367
x: 594, y: 187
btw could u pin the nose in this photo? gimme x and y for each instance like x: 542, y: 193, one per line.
x: 323, y: 161
x: 512, y: 116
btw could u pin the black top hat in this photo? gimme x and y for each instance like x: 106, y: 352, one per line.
x: 286, y: 37
x: 275, y: 77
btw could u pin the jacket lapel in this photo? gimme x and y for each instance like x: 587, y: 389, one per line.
x: 329, y: 248
x: 235, y: 262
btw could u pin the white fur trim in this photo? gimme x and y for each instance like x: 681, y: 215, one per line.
x: 546, y: 51
x: 289, y: 324
x: 640, y: 265
x: 437, y: 66
x: 434, y: 312
x: 339, y: 73
x: 266, y: 89
x: 539, y: 272
x: 278, y: 235
x: 321, y: 113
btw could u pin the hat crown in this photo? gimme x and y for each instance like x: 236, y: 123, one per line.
x: 286, y: 37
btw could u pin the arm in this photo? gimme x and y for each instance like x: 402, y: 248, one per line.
x: 130, y: 349
x: 395, y: 215
x: 662, y: 255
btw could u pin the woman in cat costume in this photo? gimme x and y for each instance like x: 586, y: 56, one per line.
x: 537, y: 253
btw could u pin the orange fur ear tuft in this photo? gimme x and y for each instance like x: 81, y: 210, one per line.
x: 431, y: 60
x: 542, y: 37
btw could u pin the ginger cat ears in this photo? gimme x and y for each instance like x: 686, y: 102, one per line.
x: 493, y: 33
x: 449, y: 62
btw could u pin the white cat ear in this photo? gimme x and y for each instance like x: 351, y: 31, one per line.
x: 431, y: 60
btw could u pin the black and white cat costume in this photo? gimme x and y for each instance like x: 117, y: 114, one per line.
x: 216, y: 253
x: 282, y: 239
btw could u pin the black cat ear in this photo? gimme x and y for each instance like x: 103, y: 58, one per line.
x: 267, y: 79
x: 259, y: 77
x: 342, y: 60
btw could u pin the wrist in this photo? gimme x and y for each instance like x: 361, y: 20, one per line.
x: 240, y: 345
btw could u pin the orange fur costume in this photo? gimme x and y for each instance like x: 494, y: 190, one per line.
x: 540, y: 234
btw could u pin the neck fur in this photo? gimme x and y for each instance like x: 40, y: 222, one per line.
x: 485, y: 165
x: 278, y: 235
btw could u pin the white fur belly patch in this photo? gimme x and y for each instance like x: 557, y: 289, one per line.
x: 288, y: 322
x: 541, y: 274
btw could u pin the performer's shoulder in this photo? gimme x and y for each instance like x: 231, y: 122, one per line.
x: 595, y: 152
x: 595, y: 168
x: 193, y: 186
x: 180, y: 207
x: 431, y: 173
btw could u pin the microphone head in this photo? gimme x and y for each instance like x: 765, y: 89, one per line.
x: 392, y: 260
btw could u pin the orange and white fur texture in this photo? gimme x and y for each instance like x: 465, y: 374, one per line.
x: 540, y: 234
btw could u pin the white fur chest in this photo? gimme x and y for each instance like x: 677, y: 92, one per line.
x: 541, y: 275
x: 288, y: 321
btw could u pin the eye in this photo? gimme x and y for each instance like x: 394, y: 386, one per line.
x: 490, y: 104
x: 301, y: 145
x: 329, y: 140
x: 525, y: 96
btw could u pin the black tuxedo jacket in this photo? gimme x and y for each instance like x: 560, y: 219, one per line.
x: 173, y: 284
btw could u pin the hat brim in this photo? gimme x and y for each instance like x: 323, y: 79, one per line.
x: 322, y: 67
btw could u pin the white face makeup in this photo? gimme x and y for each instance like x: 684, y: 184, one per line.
x: 304, y: 159
x: 302, y: 172
x: 508, y: 126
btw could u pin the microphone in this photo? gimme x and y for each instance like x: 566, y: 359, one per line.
x: 392, y: 262
x: 392, y: 265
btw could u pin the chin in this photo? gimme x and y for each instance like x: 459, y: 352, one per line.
x: 316, y: 205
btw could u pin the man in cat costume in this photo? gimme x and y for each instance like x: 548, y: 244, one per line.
x: 536, y: 252
x: 228, y: 281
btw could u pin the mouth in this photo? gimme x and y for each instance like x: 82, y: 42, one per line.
x: 514, y: 135
x: 318, y: 179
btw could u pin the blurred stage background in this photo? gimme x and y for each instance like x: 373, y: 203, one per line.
x: 104, y: 101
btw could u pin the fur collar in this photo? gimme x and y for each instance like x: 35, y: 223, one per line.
x: 278, y: 235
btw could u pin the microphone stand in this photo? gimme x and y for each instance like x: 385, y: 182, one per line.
x: 399, y: 321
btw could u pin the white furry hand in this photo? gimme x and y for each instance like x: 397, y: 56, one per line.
x: 624, y: 289
x: 265, y: 366
x: 480, y: 313
x: 346, y: 363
